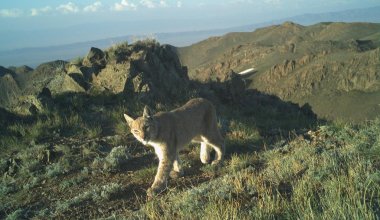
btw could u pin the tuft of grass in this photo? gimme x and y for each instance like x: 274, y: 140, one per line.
x: 72, y: 182
x: 242, y: 136
x: 118, y: 157
x: 144, y: 174
x: 54, y: 170
x: 17, y: 214
x: 77, y: 61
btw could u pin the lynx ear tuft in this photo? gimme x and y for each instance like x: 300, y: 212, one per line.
x: 128, y: 119
x: 147, y: 112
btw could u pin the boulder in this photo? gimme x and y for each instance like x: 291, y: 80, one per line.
x: 26, y: 105
x: 63, y: 83
x: 95, y: 57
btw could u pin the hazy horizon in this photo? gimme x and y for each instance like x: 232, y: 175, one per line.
x: 53, y: 22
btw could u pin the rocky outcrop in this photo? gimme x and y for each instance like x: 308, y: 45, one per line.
x: 146, y: 69
x: 9, y: 90
x: 54, y: 76
x: 230, y: 87
x: 26, y: 105
x: 62, y: 84
x: 21, y: 69
x: 95, y: 57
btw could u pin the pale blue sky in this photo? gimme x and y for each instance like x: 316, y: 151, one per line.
x: 77, y: 12
x: 20, y: 19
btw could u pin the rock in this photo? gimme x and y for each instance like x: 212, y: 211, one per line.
x: 21, y: 69
x: 26, y: 105
x: 151, y: 72
x: 93, y: 63
x: 63, y: 83
x: 112, y: 78
x: 50, y: 68
x: 230, y: 87
x: 9, y: 90
x: 95, y: 57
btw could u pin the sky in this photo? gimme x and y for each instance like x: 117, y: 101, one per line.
x: 65, y: 21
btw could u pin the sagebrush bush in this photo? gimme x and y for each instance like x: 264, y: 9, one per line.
x: 118, y: 157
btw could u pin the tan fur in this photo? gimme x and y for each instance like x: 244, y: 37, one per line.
x: 169, y: 132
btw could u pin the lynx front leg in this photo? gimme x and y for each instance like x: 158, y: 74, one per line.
x: 164, y: 167
x: 177, y: 169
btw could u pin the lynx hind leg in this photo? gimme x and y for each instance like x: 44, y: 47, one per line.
x: 217, y: 143
x: 205, y: 153
x: 177, y: 170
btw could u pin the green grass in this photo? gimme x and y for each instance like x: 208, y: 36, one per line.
x: 274, y: 168
x: 95, y: 194
x: 331, y: 174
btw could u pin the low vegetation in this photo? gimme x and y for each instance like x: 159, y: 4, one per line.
x: 307, y: 169
x: 329, y: 173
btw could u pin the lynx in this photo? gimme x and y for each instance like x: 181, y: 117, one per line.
x: 169, y: 132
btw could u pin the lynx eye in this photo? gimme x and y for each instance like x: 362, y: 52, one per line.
x: 136, y: 131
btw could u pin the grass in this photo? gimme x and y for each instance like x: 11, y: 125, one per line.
x: 96, y: 194
x: 274, y: 169
x: 331, y: 174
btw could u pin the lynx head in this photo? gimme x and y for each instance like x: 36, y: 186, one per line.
x: 144, y: 128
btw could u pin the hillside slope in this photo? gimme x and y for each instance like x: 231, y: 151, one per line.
x: 67, y: 153
x: 335, y: 67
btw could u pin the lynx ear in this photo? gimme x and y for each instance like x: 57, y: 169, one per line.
x: 128, y: 119
x: 147, y: 112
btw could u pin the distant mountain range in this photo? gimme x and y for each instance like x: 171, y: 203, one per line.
x: 34, y: 56
x: 331, y: 67
x: 334, y: 67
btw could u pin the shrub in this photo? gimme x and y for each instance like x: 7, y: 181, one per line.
x: 54, y: 170
x: 118, y: 157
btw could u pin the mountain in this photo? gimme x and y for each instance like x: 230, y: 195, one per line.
x: 36, y: 55
x: 332, y: 66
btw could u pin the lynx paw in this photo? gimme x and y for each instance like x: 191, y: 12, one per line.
x: 154, y: 191
x: 217, y: 163
x: 175, y: 175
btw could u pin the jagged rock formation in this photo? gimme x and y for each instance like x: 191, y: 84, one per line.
x: 332, y: 66
x: 145, y: 70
